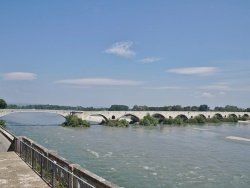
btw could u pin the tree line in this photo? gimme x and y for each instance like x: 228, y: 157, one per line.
x: 115, y: 107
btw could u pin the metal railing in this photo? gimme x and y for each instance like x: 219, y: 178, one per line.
x: 55, y: 175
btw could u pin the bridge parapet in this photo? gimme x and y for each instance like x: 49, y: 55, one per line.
x: 115, y: 115
x: 63, y: 113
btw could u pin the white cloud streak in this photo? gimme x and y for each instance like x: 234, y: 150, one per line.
x: 19, y: 76
x: 207, y: 95
x: 149, y: 60
x: 121, y: 49
x: 200, y: 71
x: 222, y: 93
x: 217, y: 87
x: 99, y: 81
x: 166, y: 88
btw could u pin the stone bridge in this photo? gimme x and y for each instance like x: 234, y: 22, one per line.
x: 137, y: 115
x: 10, y: 111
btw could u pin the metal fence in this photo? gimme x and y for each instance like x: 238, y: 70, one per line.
x: 55, y: 175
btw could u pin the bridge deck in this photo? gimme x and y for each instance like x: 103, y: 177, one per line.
x: 14, y: 172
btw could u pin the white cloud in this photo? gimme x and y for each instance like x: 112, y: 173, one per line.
x: 208, y: 95
x: 19, y: 76
x: 166, y: 88
x: 99, y: 81
x: 222, y: 93
x: 121, y: 49
x: 217, y: 87
x: 201, y: 71
x: 149, y: 60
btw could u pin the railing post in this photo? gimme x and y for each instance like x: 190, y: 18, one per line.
x: 41, y: 165
x: 32, y: 158
x: 21, y: 147
x: 52, y: 174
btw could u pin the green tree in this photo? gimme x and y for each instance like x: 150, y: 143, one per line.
x: 229, y: 108
x: 177, y: 108
x: 116, y: 107
x: 194, y: 108
x: 3, y: 104
x: 219, y: 109
x: 203, y: 107
x: 187, y: 108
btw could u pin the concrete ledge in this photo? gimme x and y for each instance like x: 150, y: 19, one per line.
x: 8, y: 135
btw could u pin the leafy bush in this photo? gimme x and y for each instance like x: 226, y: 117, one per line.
x: 117, y: 123
x: 148, y: 120
x: 213, y: 120
x: 193, y: 121
x: 74, y: 121
x: 178, y: 121
x: 2, y: 123
x: 168, y: 121
x: 230, y: 119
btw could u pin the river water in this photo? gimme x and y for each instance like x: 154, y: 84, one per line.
x: 145, y: 157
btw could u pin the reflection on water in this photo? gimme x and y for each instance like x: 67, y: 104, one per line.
x: 162, y: 156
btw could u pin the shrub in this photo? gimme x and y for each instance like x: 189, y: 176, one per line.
x: 168, y: 121
x: 193, y: 121
x: 74, y: 121
x: 117, y: 123
x: 213, y: 120
x: 178, y: 121
x: 148, y: 120
x: 2, y: 123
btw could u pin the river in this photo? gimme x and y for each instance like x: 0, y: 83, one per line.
x: 145, y: 157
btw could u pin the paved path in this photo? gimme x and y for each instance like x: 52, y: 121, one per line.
x: 14, y: 172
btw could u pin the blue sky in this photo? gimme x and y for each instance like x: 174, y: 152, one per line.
x: 98, y: 53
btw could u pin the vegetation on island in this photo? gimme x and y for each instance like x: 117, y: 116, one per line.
x: 200, y: 120
x: 148, y: 120
x: 74, y: 121
x: 2, y: 123
x: 117, y: 123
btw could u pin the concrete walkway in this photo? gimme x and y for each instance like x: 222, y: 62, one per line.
x: 14, y: 172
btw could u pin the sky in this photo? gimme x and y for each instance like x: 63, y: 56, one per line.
x: 141, y: 52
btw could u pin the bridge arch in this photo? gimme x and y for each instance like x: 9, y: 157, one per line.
x: 246, y: 115
x: 183, y: 117
x: 101, y: 115
x: 232, y: 115
x: 218, y: 116
x: 159, y: 116
x: 133, y: 118
x: 201, y: 115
